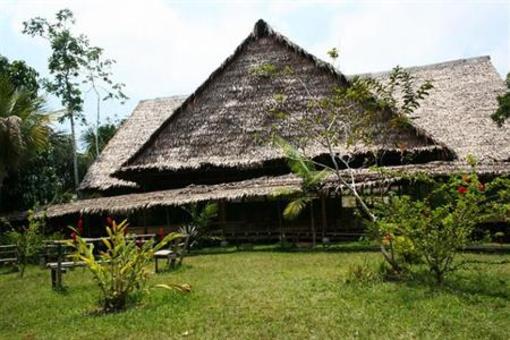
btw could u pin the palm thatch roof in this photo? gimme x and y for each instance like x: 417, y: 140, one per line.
x: 457, y: 111
x: 214, y: 125
x: 258, y: 187
x: 218, y: 124
x: 134, y: 132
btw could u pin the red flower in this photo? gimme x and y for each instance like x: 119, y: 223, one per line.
x: 73, y: 236
x: 462, y: 190
x: 109, y: 221
x: 161, y: 233
x: 481, y: 187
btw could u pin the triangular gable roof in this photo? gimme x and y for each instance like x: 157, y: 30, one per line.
x: 457, y: 111
x: 213, y: 126
x: 134, y: 132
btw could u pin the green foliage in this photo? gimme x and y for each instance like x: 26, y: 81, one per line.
x: 20, y: 75
x: 120, y: 271
x: 44, y: 178
x: 265, y: 70
x: 200, y: 218
x: 23, y: 128
x: 73, y: 62
x: 28, y: 241
x: 333, y: 53
x: 434, y: 228
x: 105, y: 133
x: 503, y: 111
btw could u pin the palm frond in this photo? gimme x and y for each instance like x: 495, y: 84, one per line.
x: 295, y: 207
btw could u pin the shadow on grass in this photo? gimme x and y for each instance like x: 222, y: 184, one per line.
x: 468, y: 285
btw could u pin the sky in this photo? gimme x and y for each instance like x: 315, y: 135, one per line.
x: 167, y: 48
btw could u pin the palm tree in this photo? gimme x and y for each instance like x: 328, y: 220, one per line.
x: 312, y: 180
x: 23, y: 128
x: 199, y: 221
x: 104, y: 134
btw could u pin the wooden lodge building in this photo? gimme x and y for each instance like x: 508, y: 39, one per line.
x: 179, y: 150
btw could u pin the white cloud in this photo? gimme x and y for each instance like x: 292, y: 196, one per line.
x: 166, y: 48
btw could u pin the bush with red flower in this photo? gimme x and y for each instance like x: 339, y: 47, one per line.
x: 439, y: 223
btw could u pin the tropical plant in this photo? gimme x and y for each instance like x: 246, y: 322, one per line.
x: 28, y: 241
x: 23, y: 128
x: 200, y: 218
x: 436, y: 227
x: 95, y: 139
x: 121, y: 270
x: 311, y: 183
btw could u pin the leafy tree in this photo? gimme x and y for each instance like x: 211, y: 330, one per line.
x: 45, y: 177
x: 121, y: 270
x: 99, y: 76
x: 20, y: 74
x: 23, y: 128
x: 73, y: 61
x: 503, y: 111
x: 363, y: 110
x: 96, y: 139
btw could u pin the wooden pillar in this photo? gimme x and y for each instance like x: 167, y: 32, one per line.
x: 145, y: 228
x: 223, y: 214
x: 167, y: 215
x: 324, y: 216
x: 280, y: 224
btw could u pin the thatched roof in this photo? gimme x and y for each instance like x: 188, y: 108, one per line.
x: 218, y: 124
x: 457, y: 111
x: 258, y: 187
x: 456, y: 114
x: 145, y: 119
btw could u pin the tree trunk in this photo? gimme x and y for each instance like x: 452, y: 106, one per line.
x: 3, y: 174
x: 75, y: 153
x: 312, y: 224
x: 98, y: 120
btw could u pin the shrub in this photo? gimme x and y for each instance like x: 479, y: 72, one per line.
x: 435, y: 227
x: 28, y: 241
x: 120, y: 271
x: 363, y: 273
x: 197, y: 228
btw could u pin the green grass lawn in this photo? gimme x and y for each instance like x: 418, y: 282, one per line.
x: 266, y: 295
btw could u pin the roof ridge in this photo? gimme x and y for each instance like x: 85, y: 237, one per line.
x: 438, y: 65
x: 175, y: 96
x: 260, y: 29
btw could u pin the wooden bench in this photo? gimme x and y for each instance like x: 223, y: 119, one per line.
x: 61, y: 254
x: 174, y: 254
x: 9, y: 254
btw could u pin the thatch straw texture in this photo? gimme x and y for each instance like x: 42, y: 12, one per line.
x: 145, y: 119
x: 218, y: 124
x: 258, y: 187
x: 457, y: 111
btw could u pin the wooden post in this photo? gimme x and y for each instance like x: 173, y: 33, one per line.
x: 59, y: 265
x: 223, y: 217
x: 167, y: 215
x: 280, y: 224
x: 145, y: 228
x: 324, y: 216
x: 312, y: 224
